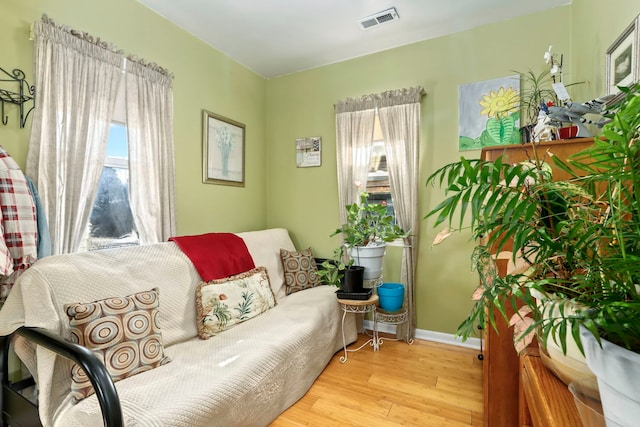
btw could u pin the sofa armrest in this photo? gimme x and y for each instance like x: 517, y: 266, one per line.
x: 93, y: 367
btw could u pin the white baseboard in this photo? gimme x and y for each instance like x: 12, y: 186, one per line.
x: 422, y: 334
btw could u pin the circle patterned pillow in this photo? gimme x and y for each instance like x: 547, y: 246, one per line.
x: 123, y: 332
x: 299, y: 270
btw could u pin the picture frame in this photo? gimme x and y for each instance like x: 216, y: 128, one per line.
x: 309, y: 152
x: 483, y: 122
x: 622, y: 58
x: 223, y: 150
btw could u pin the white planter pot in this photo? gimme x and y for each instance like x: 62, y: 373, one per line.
x: 618, y: 372
x: 369, y: 257
x: 572, y: 365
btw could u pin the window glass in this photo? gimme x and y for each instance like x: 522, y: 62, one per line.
x: 117, y: 146
x: 111, y: 222
x: 378, y: 185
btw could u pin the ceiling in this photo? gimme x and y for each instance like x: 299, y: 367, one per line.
x: 277, y: 37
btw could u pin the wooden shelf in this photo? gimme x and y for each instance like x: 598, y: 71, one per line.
x: 545, y: 401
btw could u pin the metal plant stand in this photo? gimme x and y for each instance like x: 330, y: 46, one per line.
x: 360, y: 307
x: 396, y: 318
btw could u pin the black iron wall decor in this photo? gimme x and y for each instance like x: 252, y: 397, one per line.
x: 18, y: 92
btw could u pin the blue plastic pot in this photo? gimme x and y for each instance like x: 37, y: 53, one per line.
x: 391, y: 296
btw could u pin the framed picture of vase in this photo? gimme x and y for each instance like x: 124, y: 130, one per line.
x: 222, y: 150
x: 623, y: 59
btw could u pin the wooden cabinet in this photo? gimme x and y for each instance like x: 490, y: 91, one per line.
x: 501, y: 363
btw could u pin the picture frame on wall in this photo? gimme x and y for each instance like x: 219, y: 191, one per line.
x: 223, y: 150
x: 308, y: 152
x: 622, y: 59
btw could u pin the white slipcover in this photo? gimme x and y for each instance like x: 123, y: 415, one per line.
x: 244, y: 376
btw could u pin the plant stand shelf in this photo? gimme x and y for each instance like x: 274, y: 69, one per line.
x: 395, y: 318
x: 359, y: 307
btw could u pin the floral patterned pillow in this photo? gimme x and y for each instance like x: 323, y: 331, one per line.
x: 223, y: 303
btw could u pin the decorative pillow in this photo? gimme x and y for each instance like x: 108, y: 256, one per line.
x: 122, y: 332
x: 222, y: 303
x: 299, y: 270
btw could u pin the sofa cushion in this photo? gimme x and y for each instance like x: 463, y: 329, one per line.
x: 246, y: 376
x: 122, y: 331
x: 264, y: 247
x: 223, y: 303
x: 299, y: 270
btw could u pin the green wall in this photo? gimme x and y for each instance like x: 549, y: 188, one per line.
x: 277, y: 111
x: 595, y: 26
x: 204, y: 79
x: 301, y: 104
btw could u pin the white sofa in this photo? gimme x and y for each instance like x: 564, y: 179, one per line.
x: 244, y: 376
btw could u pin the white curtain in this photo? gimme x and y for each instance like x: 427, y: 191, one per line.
x: 76, y: 80
x: 151, y: 158
x: 399, y: 114
x: 354, y: 137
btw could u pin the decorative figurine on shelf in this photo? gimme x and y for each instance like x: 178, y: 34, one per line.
x: 573, y: 112
x: 543, y: 130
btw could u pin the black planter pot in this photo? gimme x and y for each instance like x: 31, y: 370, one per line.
x: 353, y: 279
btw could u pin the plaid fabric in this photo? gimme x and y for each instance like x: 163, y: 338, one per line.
x: 18, y: 224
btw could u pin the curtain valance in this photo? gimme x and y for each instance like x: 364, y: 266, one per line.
x: 91, y: 45
x: 77, y: 41
x: 380, y: 100
x: 150, y: 70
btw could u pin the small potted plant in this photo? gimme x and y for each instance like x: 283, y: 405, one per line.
x: 368, y: 229
x: 538, y: 93
x: 335, y: 272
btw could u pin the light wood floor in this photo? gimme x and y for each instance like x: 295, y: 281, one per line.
x: 424, y: 384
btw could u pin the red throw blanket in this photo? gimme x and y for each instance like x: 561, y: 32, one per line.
x: 216, y: 255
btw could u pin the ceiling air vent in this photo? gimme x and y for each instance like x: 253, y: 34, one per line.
x: 379, y: 18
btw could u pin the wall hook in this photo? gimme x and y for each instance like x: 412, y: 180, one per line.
x: 21, y: 94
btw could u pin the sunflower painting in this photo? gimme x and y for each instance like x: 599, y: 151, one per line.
x: 489, y: 113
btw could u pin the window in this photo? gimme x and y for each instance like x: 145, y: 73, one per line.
x: 378, y: 185
x: 111, y: 222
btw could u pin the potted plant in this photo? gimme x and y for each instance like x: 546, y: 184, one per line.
x: 610, y: 324
x: 368, y: 229
x: 344, y: 275
x: 575, y: 242
x: 538, y: 93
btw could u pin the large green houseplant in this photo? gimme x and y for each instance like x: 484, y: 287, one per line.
x: 575, y: 240
x: 369, y: 224
x: 609, y: 323
x: 368, y: 229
